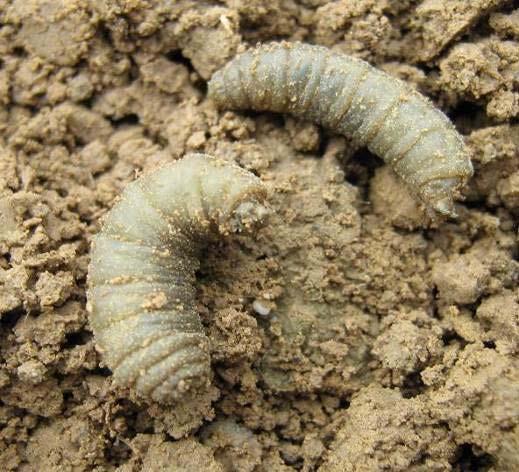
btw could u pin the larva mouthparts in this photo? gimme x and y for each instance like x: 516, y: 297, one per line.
x: 353, y: 98
x: 141, y: 294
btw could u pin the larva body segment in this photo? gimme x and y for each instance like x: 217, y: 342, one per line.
x: 141, y: 294
x: 352, y: 98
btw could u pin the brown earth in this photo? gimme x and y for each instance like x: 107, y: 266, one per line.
x: 391, y: 343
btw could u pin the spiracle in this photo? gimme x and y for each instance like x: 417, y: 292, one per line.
x: 141, y: 292
x: 352, y: 98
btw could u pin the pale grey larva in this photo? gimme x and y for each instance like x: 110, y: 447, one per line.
x: 353, y: 98
x: 141, y: 294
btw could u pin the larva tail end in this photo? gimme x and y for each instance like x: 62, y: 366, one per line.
x: 445, y: 207
x: 216, y: 89
x: 191, y: 387
x: 438, y: 195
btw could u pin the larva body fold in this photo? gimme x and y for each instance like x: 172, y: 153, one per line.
x: 141, y: 293
x: 352, y: 98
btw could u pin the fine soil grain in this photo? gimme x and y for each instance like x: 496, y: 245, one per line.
x: 348, y: 334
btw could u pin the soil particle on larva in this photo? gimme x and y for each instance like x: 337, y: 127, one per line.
x: 387, y: 344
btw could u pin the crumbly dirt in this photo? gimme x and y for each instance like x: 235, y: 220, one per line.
x: 348, y: 334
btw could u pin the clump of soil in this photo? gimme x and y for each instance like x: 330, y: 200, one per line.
x: 349, y: 333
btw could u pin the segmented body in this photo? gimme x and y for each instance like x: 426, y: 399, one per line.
x: 352, y: 98
x: 141, y: 293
